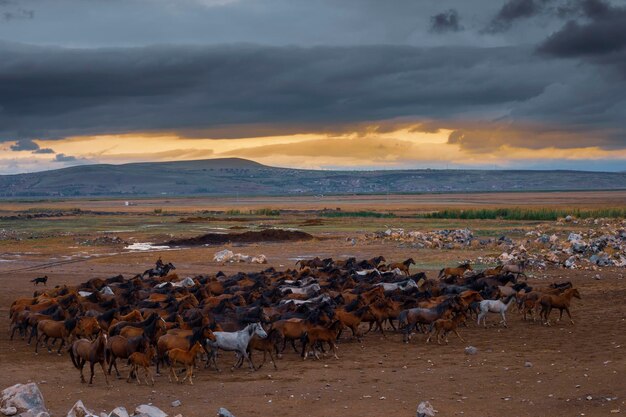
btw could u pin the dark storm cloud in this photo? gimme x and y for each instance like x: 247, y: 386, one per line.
x: 52, y: 93
x: 514, y: 10
x: 24, y: 145
x: 44, y: 151
x: 603, y: 33
x: 61, y: 157
x: 447, y: 21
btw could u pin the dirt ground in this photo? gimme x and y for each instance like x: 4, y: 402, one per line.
x: 576, y: 369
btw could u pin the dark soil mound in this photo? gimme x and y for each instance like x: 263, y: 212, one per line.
x: 267, y: 235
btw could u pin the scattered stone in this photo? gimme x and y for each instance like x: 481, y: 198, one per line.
x: 149, y: 411
x: 528, y: 364
x: 25, y: 398
x: 79, y: 410
x: 119, y: 412
x: 425, y: 409
x: 176, y: 403
x: 9, y: 411
x: 589, y: 398
x: 471, y: 350
x: 222, y: 412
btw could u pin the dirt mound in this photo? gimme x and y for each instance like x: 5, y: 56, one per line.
x: 312, y: 222
x: 266, y: 235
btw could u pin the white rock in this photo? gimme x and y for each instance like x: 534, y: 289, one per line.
x: 222, y: 412
x: 119, y: 412
x: 25, y: 398
x: 425, y: 409
x: 79, y: 410
x: 150, y: 411
x: 176, y: 403
x: 471, y: 350
x: 9, y: 411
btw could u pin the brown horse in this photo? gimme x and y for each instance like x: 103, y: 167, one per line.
x: 88, y: 328
x: 442, y: 327
x: 84, y: 350
x: 317, y: 335
x: 412, y: 317
x: 562, y: 302
x: 144, y: 360
x: 183, y: 357
x: 455, y: 272
x: 268, y: 345
x: 122, y: 347
x: 402, y: 266
x: 55, y: 330
x: 352, y: 319
x: 185, y: 342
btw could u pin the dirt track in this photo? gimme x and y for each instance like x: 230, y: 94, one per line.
x: 379, y: 376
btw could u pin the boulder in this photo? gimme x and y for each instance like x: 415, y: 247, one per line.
x: 145, y: 410
x: 471, y: 350
x: 79, y: 410
x: 425, y: 409
x: 25, y: 398
x: 222, y: 412
x: 9, y: 411
x: 223, y: 256
x: 119, y: 412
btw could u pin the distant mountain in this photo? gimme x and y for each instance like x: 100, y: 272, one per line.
x: 239, y: 176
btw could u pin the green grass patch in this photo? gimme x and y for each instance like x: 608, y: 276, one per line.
x: 256, y: 212
x: 517, y: 213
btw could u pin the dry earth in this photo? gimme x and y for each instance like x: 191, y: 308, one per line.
x: 570, y: 363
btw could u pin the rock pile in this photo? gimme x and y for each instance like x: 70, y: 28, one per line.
x: 602, y: 244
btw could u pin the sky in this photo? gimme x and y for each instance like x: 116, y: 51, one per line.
x: 320, y: 84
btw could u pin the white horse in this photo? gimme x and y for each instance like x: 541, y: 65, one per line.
x: 235, y: 341
x: 319, y: 299
x: 494, y: 306
x: 402, y: 286
x: 308, y: 290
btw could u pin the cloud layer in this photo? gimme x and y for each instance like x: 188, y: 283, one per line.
x: 506, y: 74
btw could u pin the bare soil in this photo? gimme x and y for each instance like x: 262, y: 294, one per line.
x: 576, y: 369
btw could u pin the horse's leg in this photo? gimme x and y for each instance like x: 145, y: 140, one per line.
x: 457, y: 333
x: 293, y: 345
x: 149, y: 373
x: 503, y: 319
x: 272, y: 358
x: 130, y: 374
x: 569, y: 315
x: 91, y: 366
x: 392, y: 325
x: 334, y: 348
x: 561, y: 314
x: 82, y: 366
x: 304, y: 343
x: 103, y: 367
x: 249, y: 358
x: 60, y: 346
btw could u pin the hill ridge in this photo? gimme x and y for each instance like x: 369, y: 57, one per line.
x: 230, y: 176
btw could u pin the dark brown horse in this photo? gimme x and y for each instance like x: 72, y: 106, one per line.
x: 83, y: 351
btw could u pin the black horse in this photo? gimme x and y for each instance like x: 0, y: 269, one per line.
x: 42, y: 280
x: 159, y: 272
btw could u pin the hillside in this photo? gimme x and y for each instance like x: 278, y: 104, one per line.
x: 239, y: 176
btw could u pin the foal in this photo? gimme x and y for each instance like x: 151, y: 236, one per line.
x: 144, y: 360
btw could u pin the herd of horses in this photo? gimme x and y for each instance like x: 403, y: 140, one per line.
x: 158, y: 319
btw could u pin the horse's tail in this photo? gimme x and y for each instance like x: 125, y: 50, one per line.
x: 70, y: 349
